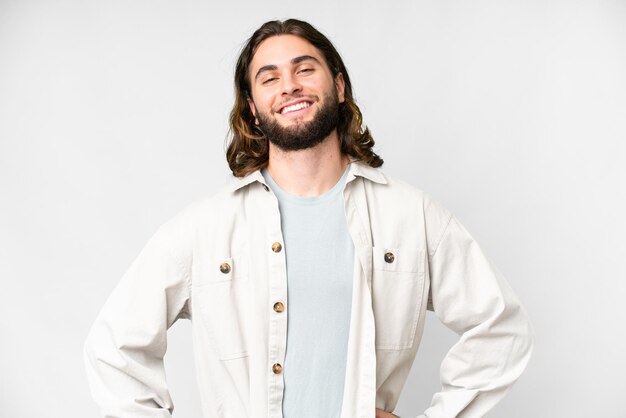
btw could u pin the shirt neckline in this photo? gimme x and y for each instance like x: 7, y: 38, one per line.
x: 306, y: 200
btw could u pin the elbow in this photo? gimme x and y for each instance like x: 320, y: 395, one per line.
x: 522, y: 342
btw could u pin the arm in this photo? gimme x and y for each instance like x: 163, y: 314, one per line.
x: 471, y: 297
x: 125, y: 347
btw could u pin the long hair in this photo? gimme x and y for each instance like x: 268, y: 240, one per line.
x: 248, y: 149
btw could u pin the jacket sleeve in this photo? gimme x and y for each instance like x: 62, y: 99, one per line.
x: 470, y: 296
x: 126, y: 344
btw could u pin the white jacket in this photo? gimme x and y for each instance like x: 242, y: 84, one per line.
x: 221, y: 264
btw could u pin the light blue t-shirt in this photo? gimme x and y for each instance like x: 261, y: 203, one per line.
x: 320, y: 257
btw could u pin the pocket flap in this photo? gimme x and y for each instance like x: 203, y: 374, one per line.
x: 404, y: 259
x: 219, y: 270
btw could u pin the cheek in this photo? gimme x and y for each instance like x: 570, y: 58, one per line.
x: 264, y: 103
x: 319, y: 87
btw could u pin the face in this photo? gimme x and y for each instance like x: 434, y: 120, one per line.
x: 295, y: 98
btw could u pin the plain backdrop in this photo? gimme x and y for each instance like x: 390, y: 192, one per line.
x: 113, y: 117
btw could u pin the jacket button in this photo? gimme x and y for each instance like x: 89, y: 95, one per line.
x: 389, y: 257
x: 276, y: 247
x: 225, y: 268
x: 279, y: 307
x: 277, y: 368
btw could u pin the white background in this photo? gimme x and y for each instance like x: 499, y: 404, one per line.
x: 512, y: 113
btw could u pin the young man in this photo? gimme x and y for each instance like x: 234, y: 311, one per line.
x: 308, y: 277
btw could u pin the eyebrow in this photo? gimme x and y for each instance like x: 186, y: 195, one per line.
x: 294, y: 61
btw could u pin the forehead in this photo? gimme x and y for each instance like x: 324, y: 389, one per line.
x: 280, y: 50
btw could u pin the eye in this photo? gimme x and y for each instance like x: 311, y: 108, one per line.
x: 268, y: 80
x: 305, y: 70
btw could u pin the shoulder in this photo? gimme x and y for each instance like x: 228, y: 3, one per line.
x: 394, y: 201
x: 398, y: 193
x: 200, y: 216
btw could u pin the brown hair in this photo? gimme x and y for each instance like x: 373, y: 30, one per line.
x: 248, y: 149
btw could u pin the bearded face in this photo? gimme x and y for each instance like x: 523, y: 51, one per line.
x: 294, y: 96
x: 301, y: 134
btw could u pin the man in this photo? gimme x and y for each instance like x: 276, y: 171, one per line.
x: 307, y: 279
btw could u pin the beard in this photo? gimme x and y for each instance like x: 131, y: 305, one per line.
x: 303, y: 135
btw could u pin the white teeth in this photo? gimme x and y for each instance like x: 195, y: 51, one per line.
x: 295, y: 107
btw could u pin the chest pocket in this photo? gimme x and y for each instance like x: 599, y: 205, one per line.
x: 397, y: 295
x: 220, y: 294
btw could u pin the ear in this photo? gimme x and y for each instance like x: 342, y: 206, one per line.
x: 253, y: 110
x: 340, y: 85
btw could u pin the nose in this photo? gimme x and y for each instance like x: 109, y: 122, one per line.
x: 290, y: 85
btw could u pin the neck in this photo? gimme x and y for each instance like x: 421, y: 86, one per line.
x: 308, y: 172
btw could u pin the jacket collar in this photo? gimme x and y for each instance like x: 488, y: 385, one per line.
x: 240, y: 182
x: 356, y: 169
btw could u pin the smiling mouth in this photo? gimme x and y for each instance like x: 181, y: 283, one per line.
x: 294, y: 107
